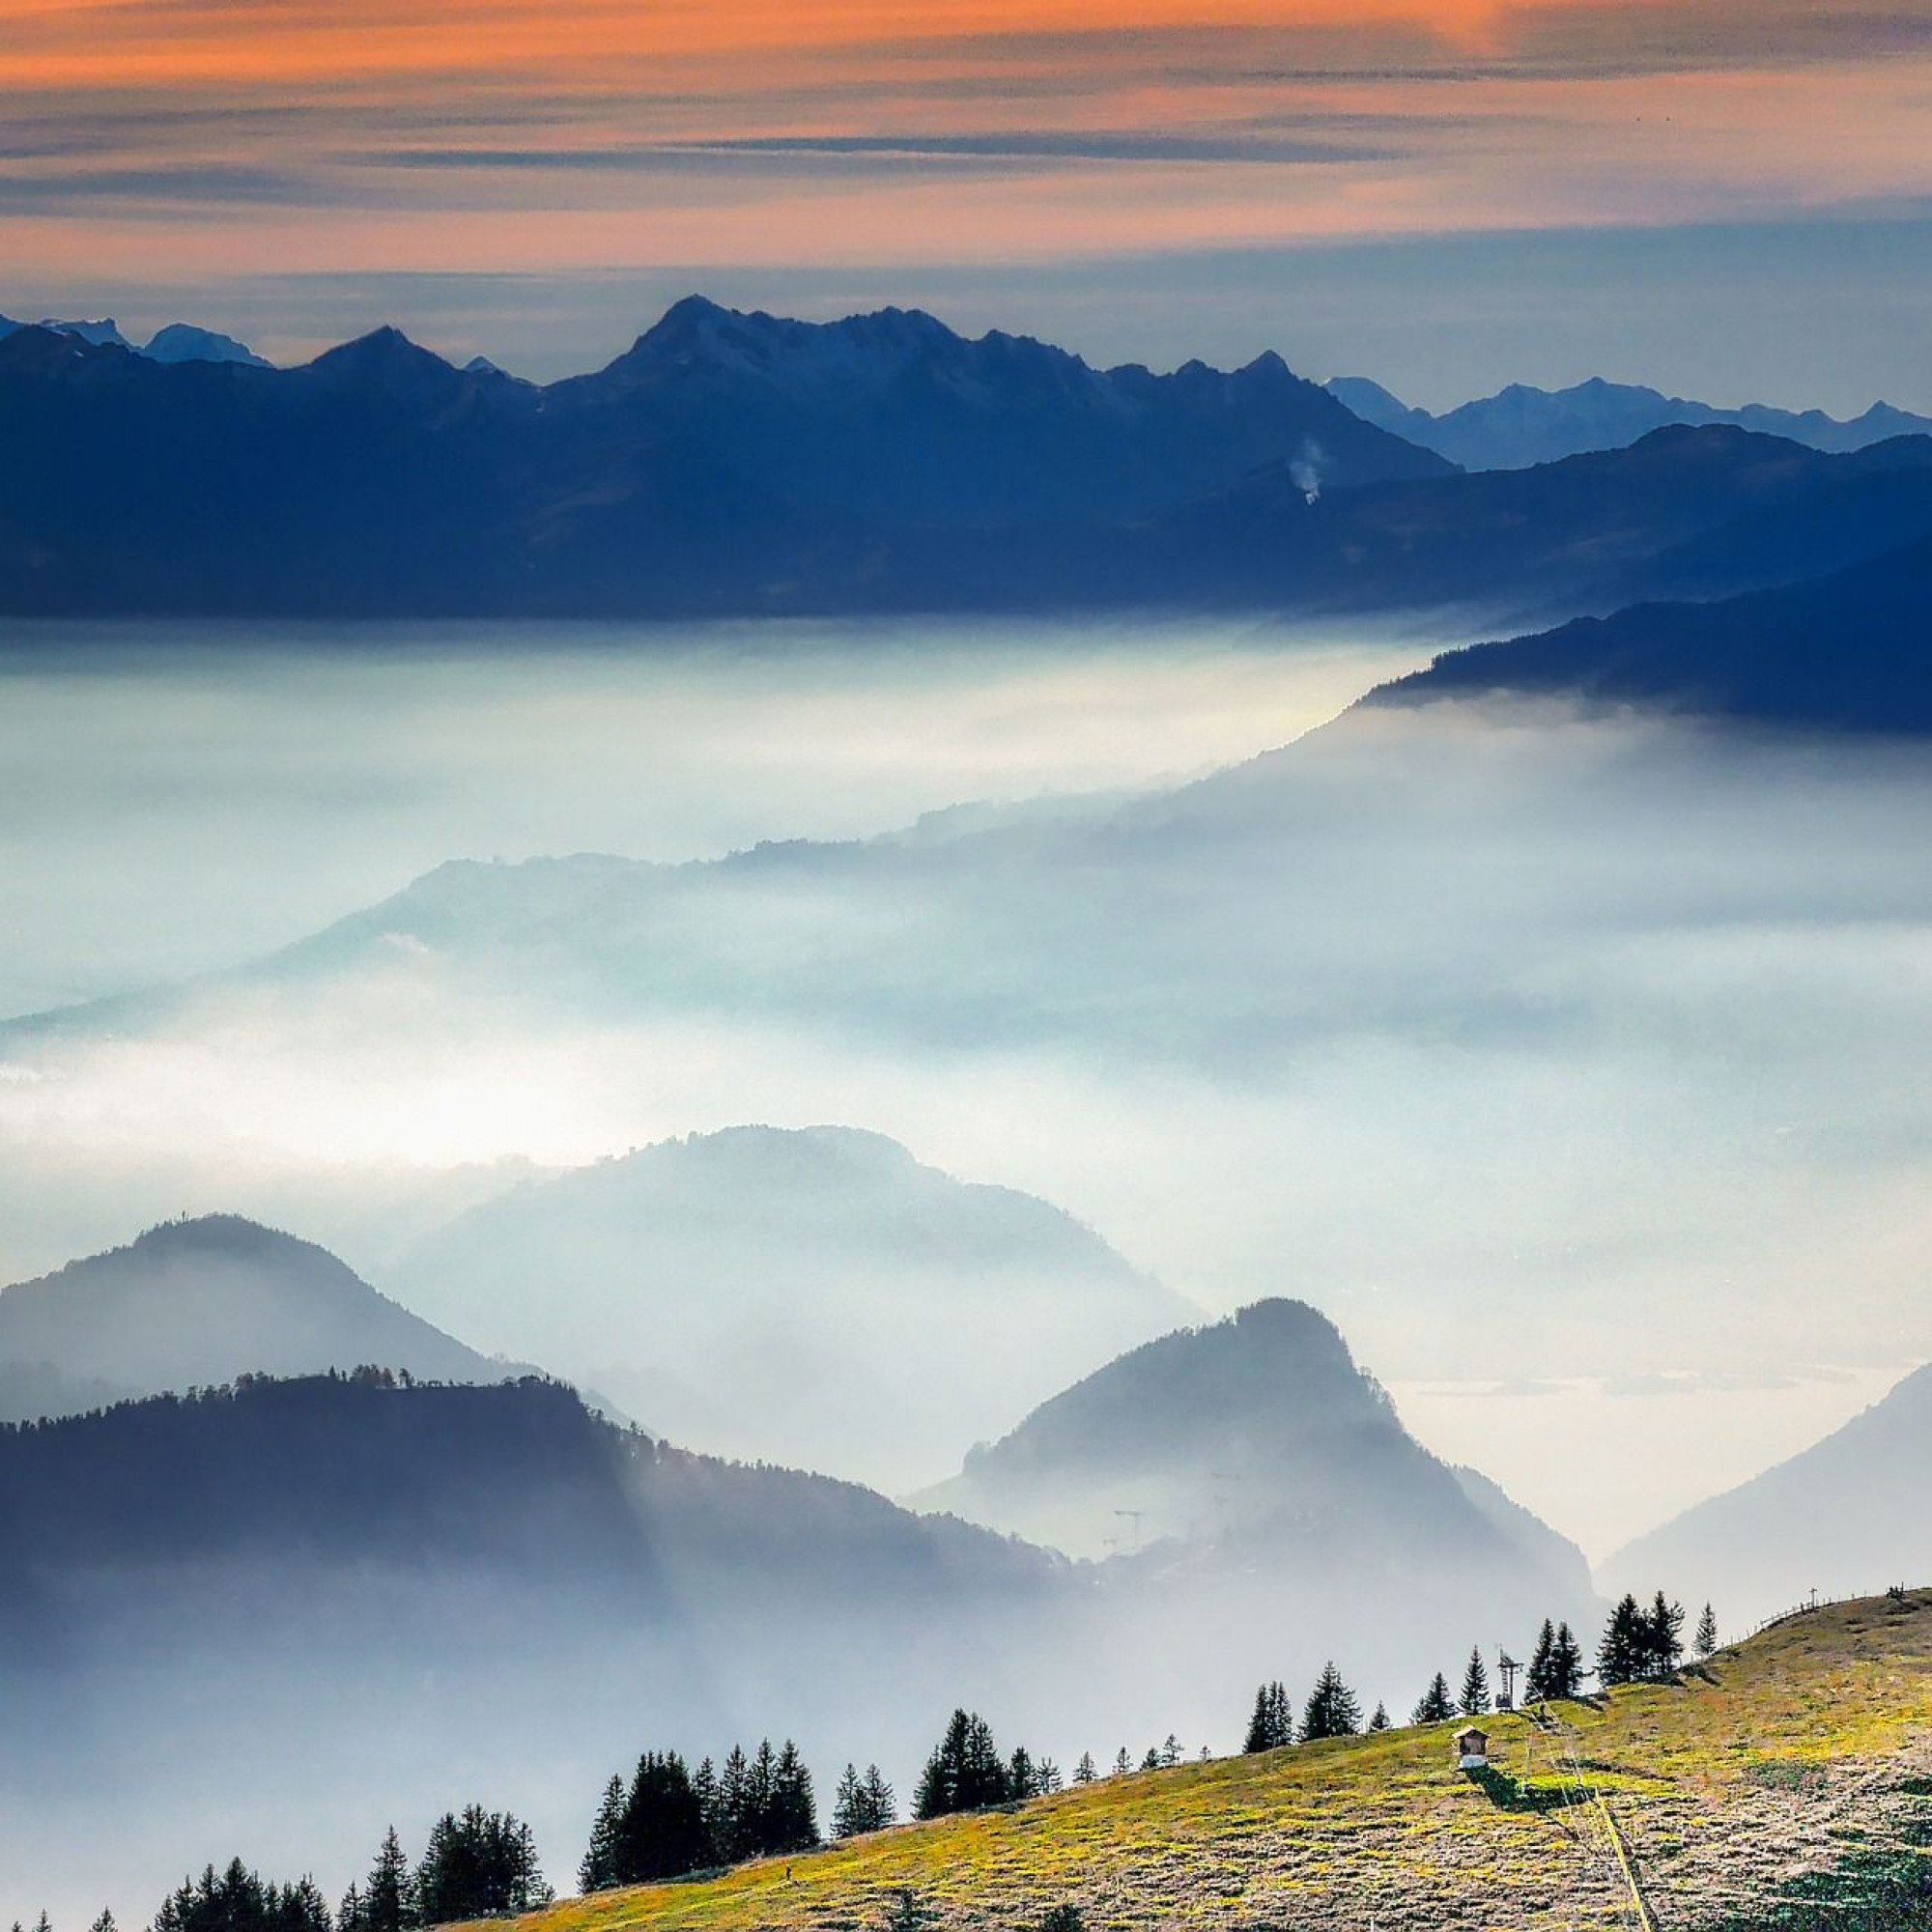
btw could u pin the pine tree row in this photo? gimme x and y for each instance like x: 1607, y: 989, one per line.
x: 1331, y: 1711
x: 670, y: 1821
x: 966, y: 1772
x: 1643, y: 1645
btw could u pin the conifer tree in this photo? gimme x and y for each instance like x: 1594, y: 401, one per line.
x: 1566, y: 1669
x: 882, y: 1803
x: 105, y: 1923
x: 1257, y: 1738
x: 661, y: 1830
x: 1170, y: 1753
x: 1084, y: 1771
x: 600, y: 1869
x: 730, y: 1838
x: 477, y: 1865
x: 848, y: 1805
x: 1538, y: 1685
x: 704, y: 1789
x: 1434, y: 1706
x: 1151, y: 1761
x: 1381, y: 1720
x: 1621, y: 1653
x: 1123, y: 1763
x: 299, y: 1908
x: 1706, y: 1638
x: 1476, y: 1698
x: 389, y: 1899
x: 964, y: 1773
x: 1272, y: 1724
x: 1021, y: 1775
x: 349, y: 1914
x: 759, y: 1791
x: 793, y: 1825
x: 1664, y: 1636
x: 1331, y: 1710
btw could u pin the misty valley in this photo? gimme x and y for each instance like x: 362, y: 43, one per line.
x: 897, y: 1135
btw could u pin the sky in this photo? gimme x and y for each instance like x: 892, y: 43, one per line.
x: 1725, y: 197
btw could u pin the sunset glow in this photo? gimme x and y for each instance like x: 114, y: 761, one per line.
x: 200, y: 147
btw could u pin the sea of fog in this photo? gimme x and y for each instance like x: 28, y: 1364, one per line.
x: 174, y: 799
x: 1574, y: 1065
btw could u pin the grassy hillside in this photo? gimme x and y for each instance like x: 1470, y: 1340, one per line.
x: 1786, y: 1785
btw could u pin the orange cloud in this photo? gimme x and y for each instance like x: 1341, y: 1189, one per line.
x: 492, y: 134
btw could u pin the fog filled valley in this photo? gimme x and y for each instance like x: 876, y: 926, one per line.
x: 800, y: 1193
x: 1148, y: 1041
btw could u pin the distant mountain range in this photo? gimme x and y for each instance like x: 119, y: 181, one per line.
x: 1255, y: 1440
x: 178, y: 342
x: 1850, y: 652
x: 725, y: 461
x: 742, y: 463
x: 814, y: 1297
x: 1846, y: 1516
x: 194, y: 1303
x: 1520, y: 426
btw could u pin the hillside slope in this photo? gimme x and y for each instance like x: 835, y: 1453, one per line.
x: 1783, y: 1785
x: 1845, y: 652
x: 815, y: 1297
x: 196, y: 1302
x: 282, y: 1613
x: 1847, y: 1514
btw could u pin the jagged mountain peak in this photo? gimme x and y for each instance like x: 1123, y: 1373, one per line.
x: 698, y: 335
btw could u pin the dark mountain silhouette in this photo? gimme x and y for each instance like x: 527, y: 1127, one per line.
x: 176, y: 342
x: 197, y: 1302
x: 724, y: 462
x: 894, y: 417
x: 1846, y: 1516
x: 1705, y: 512
x: 815, y: 1296
x: 742, y: 463
x: 1520, y: 425
x: 1850, y: 652
x: 285, y: 1613
x: 297, y: 1477
x: 1256, y: 1436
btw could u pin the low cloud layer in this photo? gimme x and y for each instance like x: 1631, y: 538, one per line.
x: 1525, y: 1048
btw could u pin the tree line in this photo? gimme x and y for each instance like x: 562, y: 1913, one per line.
x: 1638, y: 1646
x: 1643, y: 1645
x: 669, y: 1821
x: 476, y: 1865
